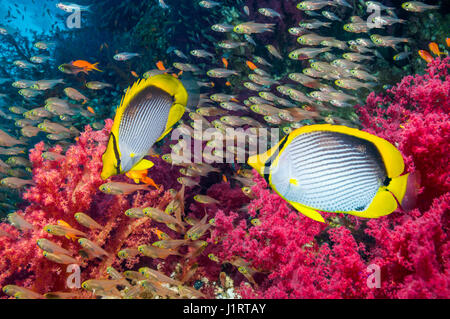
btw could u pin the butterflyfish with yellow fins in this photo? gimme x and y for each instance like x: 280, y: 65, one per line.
x: 337, y: 169
x: 147, y: 113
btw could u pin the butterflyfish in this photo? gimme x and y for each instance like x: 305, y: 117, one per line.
x: 337, y: 169
x: 147, y: 113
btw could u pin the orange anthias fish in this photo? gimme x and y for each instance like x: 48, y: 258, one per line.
x: 68, y: 236
x: 86, y: 65
x: 90, y: 109
x: 225, y: 63
x: 134, y: 74
x: 447, y: 40
x: 251, y: 65
x: 141, y: 177
x: 161, y: 235
x: 160, y: 66
x: 434, y: 48
x: 425, y: 55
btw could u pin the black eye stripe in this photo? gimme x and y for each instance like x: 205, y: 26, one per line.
x: 116, y: 153
x: 272, y: 158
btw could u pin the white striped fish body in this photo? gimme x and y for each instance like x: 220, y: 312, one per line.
x: 329, y: 171
x: 147, y: 113
x: 142, y: 123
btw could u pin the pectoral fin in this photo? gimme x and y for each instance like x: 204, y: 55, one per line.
x: 143, y: 165
x: 309, y: 212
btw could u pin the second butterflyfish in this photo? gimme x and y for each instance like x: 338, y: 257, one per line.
x: 337, y: 169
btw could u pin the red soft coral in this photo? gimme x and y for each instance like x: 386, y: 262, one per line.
x: 63, y: 188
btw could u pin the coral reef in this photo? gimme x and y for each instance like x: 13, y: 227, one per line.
x: 264, y: 249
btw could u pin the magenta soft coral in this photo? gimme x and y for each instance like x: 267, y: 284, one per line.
x: 413, y: 254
